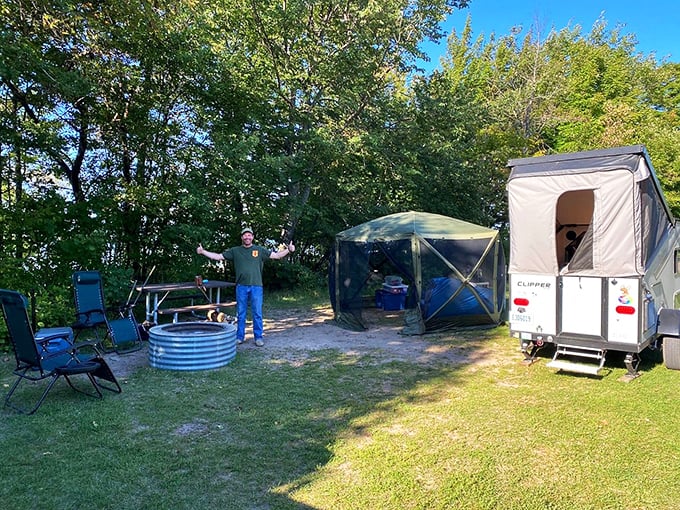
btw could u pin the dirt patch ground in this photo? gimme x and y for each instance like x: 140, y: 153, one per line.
x: 294, y: 335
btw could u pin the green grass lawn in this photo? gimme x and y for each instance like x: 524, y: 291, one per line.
x: 337, y: 431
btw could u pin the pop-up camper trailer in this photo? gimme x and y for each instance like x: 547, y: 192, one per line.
x: 594, y: 259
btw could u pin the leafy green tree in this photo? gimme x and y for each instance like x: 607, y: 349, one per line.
x: 317, y: 69
x: 100, y: 96
x: 132, y: 130
x: 559, y: 93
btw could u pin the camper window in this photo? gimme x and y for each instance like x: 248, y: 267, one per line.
x: 574, y: 214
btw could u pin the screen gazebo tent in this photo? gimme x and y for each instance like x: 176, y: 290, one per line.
x: 455, y: 271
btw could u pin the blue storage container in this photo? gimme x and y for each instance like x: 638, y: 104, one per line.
x: 58, y: 343
x: 394, y: 289
x: 391, y: 301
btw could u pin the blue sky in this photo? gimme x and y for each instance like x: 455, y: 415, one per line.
x: 656, y: 24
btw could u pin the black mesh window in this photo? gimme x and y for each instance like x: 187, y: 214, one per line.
x: 574, y: 233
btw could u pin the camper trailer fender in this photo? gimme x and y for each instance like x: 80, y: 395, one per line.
x: 668, y: 322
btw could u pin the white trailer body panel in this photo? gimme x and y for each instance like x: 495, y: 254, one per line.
x: 581, y: 310
x: 623, y: 310
x: 533, y: 304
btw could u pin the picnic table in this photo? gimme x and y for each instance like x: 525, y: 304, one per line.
x: 204, y: 297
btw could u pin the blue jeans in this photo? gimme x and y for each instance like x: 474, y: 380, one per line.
x: 255, y: 294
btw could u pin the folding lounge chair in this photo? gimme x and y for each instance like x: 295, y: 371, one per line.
x: 48, y: 357
x: 90, y: 308
x: 124, y: 334
x: 91, y: 314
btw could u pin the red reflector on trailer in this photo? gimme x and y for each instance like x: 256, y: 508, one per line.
x: 520, y: 301
x: 625, y: 310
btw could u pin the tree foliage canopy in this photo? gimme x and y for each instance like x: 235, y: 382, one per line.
x: 131, y: 131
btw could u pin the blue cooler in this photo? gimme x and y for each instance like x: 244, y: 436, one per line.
x: 56, y: 344
x: 394, y: 296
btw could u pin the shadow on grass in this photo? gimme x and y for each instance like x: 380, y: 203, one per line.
x: 248, y: 435
x: 256, y: 433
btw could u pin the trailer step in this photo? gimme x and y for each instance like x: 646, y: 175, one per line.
x: 575, y: 359
x: 571, y: 366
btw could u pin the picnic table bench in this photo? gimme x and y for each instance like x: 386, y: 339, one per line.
x: 194, y: 308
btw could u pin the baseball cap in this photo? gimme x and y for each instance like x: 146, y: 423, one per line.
x: 247, y: 229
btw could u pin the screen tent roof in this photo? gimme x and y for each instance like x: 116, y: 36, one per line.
x: 406, y: 224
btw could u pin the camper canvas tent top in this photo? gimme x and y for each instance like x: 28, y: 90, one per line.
x: 455, y: 271
x: 593, y: 255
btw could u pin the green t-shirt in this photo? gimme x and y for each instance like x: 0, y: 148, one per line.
x: 248, y: 263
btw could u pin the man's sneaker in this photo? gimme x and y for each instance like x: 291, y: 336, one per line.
x: 259, y: 342
x: 239, y: 341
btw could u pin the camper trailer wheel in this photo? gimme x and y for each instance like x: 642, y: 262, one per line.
x: 671, y: 352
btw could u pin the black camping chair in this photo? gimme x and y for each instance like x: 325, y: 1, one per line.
x: 89, y: 300
x: 125, y: 334
x: 91, y: 314
x: 45, y: 358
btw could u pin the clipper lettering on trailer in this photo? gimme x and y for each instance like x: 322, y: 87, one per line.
x: 541, y: 285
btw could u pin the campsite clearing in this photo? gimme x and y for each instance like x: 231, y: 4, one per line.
x: 327, y: 418
x: 294, y: 335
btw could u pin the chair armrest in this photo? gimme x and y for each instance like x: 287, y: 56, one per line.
x: 70, y: 350
x: 46, y: 339
x: 124, y: 309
